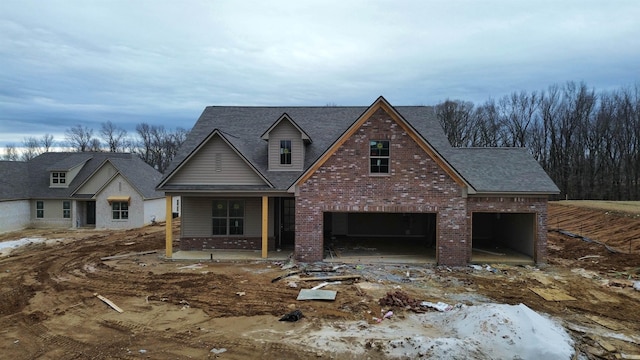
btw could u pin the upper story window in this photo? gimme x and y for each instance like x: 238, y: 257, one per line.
x: 58, y: 178
x: 379, y: 156
x: 285, y: 152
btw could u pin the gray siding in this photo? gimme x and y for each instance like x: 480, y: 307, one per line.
x: 216, y: 164
x: 286, y: 131
x: 196, y: 216
x: 98, y: 180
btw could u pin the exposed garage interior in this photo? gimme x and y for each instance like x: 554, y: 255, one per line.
x: 503, y: 237
x: 386, y: 236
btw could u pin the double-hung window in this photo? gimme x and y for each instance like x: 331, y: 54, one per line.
x: 228, y: 217
x: 66, y: 209
x: 120, y: 210
x: 285, y: 152
x: 379, y: 156
x: 39, y: 209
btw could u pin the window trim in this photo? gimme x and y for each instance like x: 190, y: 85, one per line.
x: 122, y: 214
x: 285, y: 152
x: 66, y: 209
x: 379, y: 143
x: 229, y: 217
x: 39, y: 209
x: 59, y: 178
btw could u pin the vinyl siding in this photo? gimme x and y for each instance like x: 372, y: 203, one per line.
x: 216, y: 164
x: 196, y: 216
x: 97, y: 180
x: 286, y: 131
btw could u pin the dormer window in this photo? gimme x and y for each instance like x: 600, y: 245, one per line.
x: 58, y: 178
x: 285, y: 152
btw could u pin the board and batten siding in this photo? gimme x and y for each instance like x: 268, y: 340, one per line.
x: 216, y: 164
x: 197, y: 216
x: 286, y: 131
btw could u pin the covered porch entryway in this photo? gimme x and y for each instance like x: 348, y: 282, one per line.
x: 222, y: 224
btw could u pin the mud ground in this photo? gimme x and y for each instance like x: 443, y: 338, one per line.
x: 230, y: 310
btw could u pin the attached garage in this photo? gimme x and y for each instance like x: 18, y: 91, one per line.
x: 503, y: 237
x: 371, y: 234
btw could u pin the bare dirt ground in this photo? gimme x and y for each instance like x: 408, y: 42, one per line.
x: 230, y: 310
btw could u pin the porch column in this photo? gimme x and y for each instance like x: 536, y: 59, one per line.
x: 169, y: 227
x: 265, y: 223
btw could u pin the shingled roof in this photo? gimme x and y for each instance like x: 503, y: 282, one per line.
x: 31, y: 179
x: 489, y: 170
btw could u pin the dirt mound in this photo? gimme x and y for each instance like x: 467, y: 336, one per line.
x: 618, y: 227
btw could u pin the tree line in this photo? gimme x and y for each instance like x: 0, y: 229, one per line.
x: 154, y: 144
x: 587, y: 141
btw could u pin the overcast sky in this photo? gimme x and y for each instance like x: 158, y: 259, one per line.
x: 70, y: 62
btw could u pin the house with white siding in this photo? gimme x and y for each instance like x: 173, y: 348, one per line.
x: 79, y: 189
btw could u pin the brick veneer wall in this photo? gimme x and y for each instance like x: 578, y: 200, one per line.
x: 537, y: 205
x: 225, y: 243
x: 414, y: 184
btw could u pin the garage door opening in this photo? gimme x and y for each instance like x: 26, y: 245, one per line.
x: 406, y: 237
x: 503, y: 238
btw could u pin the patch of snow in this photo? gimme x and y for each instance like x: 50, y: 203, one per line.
x: 487, y: 331
x: 6, y: 247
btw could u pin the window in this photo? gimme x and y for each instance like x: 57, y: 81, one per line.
x: 285, y: 152
x: 66, y: 209
x: 58, y: 178
x: 39, y: 209
x: 379, y: 156
x: 120, y: 210
x: 228, y: 217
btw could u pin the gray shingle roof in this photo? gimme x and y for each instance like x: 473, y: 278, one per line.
x: 486, y: 170
x: 31, y: 179
x: 12, y: 180
x: 501, y: 170
x: 243, y: 126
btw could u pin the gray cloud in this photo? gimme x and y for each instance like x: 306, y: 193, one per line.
x: 72, y: 61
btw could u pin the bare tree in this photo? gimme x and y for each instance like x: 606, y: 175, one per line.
x: 46, y: 142
x: 10, y: 153
x: 456, y: 120
x: 113, y: 136
x: 31, y: 148
x: 79, y: 138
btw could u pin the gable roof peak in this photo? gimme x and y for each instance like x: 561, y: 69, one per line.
x: 286, y: 117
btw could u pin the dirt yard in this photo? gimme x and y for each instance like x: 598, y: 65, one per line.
x: 230, y: 310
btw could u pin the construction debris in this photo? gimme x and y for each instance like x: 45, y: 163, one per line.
x: 337, y: 277
x: 400, y: 299
x: 292, y: 316
x: 108, y: 302
x: 310, y: 294
x: 553, y: 294
x: 127, y: 255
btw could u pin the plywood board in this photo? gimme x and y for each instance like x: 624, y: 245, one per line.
x: 552, y: 294
x: 309, y: 294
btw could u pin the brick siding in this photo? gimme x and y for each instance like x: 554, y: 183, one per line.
x: 536, y: 205
x: 415, y: 184
x: 225, y: 243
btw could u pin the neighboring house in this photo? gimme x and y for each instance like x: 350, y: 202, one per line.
x: 79, y: 189
x: 299, y: 177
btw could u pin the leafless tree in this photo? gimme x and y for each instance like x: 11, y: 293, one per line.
x: 46, y: 142
x: 113, y: 136
x: 79, y: 138
x: 10, y: 153
x: 31, y: 148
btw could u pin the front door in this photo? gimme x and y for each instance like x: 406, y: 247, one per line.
x: 91, y: 212
x: 287, y: 222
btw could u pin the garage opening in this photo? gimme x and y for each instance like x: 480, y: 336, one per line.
x: 405, y: 237
x: 503, y: 238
